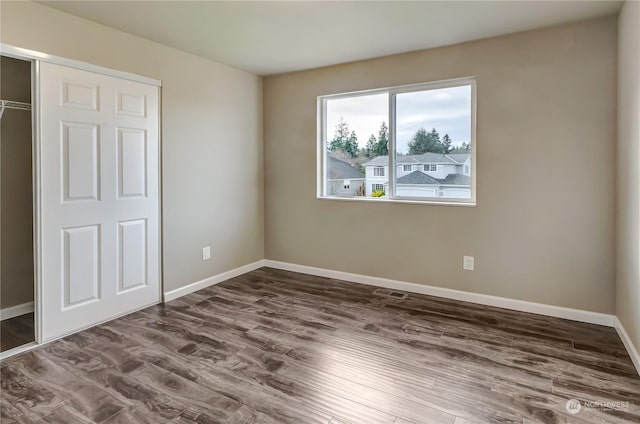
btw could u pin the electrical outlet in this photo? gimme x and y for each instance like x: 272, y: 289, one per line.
x: 468, y: 263
x: 206, y: 253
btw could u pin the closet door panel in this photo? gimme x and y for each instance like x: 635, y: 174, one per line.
x: 81, y: 265
x: 132, y: 162
x: 80, y: 161
x: 132, y: 258
x: 99, y: 198
x: 79, y: 95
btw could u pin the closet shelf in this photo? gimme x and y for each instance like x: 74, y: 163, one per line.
x: 9, y: 104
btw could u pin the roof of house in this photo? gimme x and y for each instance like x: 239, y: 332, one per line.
x: 341, y: 170
x: 419, y: 177
x: 459, y: 157
x: 425, y: 158
x: 456, y: 179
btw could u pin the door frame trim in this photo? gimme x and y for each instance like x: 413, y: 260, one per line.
x: 21, y: 53
x: 37, y: 213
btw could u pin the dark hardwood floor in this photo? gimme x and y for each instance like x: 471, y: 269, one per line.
x: 278, y: 347
x: 16, y: 331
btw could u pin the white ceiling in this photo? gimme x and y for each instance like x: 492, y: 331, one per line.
x: 273, y: 37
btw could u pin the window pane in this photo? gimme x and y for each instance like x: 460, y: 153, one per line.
x: 433, y: 137
x: 356, y: 145
x: 433, y: 130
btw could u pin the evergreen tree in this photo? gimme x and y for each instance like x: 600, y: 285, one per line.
x: 382, y: 146
x: 463, y: 148
x: 351, y: 145
x: 446, y: 144
x: 370, y: 147
x: 340, y: 137
x: 435, y: 135
x: 423, y: 142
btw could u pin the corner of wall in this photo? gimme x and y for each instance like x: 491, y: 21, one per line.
x: 628, y: 176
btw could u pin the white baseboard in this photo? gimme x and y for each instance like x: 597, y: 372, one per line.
x: 209, y: 281
x: 628, y: 344
x: 483, y: 299
x: 15, y: 311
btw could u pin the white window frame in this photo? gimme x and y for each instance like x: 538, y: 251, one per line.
x: 404, y: 168
x: 391, y: 190
x: 374, y: 187
x: 378, y: 171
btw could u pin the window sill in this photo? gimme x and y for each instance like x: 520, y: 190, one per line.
x: 467, y: 204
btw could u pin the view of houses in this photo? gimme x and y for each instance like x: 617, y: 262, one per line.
x: 425, y: 175
x: 343, y: 179
x: 427, y: 165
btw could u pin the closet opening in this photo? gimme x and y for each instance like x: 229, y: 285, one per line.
x: 17, y: 321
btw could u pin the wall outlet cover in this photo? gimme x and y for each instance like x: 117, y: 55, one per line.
x: 468, y: 263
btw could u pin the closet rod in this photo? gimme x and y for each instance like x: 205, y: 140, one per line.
x: 9, y: 104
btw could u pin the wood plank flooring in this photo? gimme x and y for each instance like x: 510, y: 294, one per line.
x: 16, y: 331
x: 278, y: 347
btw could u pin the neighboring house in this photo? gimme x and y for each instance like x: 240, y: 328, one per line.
x: 425, y: 175
x: 343, y: 179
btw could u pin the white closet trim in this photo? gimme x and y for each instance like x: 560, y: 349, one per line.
x: 20, y: 53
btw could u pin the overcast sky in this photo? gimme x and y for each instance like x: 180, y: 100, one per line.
x: 447, y: 110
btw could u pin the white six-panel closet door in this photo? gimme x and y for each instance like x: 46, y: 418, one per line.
x: 99, y: 198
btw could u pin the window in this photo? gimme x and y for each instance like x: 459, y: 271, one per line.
x: 363, y: 133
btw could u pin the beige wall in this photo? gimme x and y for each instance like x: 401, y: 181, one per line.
x: 16, y: 194
x: 543, y: 228
x: 211, y: 137
x: 628, y: 251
